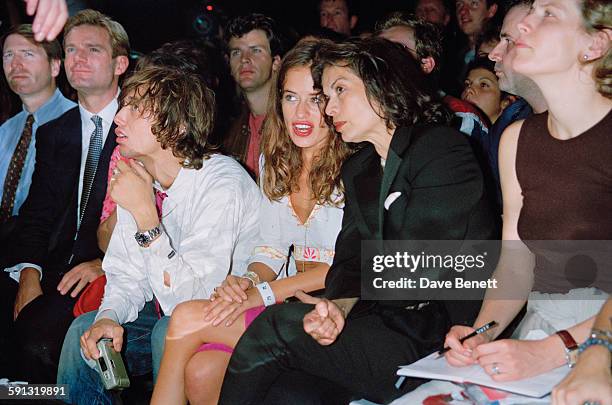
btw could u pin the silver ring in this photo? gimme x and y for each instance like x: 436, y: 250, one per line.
x: 495, y: 369
x: 116, y: 171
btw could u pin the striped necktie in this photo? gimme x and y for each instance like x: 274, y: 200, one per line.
x: 91, y: 164
x: 13, y: 174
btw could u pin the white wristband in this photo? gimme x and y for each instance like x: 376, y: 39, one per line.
x: 266, y: 293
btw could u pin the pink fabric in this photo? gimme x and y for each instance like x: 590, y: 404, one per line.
x: 108, y: 206
x: 252, y: 159
x: 249, y: 317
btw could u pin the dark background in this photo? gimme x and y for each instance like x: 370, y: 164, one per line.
x: 150, y: 23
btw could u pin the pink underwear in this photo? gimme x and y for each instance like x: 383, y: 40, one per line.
x: 249, y: 317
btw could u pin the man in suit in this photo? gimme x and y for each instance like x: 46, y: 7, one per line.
x: 55, y: 254
x: 30, y: 69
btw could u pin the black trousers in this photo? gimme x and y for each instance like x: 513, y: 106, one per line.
x: 31, y: 345
x: 362, y: 363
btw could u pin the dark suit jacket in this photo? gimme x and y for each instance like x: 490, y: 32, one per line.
x: 442, y: 198
x: 47, y: 223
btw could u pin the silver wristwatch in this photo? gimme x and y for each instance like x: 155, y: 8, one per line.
x: 144, y: 239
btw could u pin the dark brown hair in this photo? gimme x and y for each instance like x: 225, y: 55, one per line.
x: 181, y: 106
x: 392, y: 79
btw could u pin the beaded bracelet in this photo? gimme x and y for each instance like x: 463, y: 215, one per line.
x: 595, y: 341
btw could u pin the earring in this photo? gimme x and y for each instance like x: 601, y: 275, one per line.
x: 585, y: 57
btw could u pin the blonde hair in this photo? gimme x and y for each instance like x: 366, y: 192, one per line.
x: 120, y: 42
x: 597, y: 16
x: 283, y: 159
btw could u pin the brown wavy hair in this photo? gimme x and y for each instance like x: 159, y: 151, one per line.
x: 597, y: 16
x: 283, y: 159
x: 182, y: 108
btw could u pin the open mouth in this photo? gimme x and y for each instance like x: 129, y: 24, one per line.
x: 302, y: 128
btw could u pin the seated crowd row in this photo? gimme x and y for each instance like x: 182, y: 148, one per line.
x: 203, y: 244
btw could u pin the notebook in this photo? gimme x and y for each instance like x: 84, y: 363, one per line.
x: 431, y: 367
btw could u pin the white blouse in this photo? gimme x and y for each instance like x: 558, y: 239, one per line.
x: 280, y: 227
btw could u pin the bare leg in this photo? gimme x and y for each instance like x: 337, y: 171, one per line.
x: 187, y: 331
x: 204, y: 377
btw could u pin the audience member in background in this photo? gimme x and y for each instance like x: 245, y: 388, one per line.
x: 423, y: 41
x: 590, y: 381
x: 301, y: 213
x: 442, y: 13
x: 337, y: 15
x: 255, y: 47
x: 357, y: 345
x: 30, y: 69
x: 473, y: 17
x: 530, y: 96
x: 55, y: 253
x: 487, y: 40
x: 482, y: 89
x: 207, y: 225
x: 433, y: 11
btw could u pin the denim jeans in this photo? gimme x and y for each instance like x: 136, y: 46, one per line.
x: 142, y: 351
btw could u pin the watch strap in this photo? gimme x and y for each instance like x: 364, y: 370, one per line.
x: 568, y: 340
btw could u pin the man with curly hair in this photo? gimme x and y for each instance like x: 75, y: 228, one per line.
x: 207, y: 224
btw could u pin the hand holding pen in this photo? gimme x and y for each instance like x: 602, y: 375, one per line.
x: 460, y: 341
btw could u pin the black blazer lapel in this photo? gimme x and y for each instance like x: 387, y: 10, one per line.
x: 69, y: 156
x: 365, y: 172
x: 396, y: 157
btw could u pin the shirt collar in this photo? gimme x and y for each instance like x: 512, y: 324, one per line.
x: 177, y: 191
x: 107, y: 113
x: 46, y: 108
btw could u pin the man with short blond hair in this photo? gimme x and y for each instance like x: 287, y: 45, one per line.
x: 55, y: 253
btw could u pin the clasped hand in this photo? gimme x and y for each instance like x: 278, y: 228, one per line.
x: 325, y: 322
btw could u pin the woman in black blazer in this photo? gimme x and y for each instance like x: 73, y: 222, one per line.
x: 413, y: 179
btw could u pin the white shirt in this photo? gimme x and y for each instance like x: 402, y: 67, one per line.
x: 210, y: 221
x: 87, y: 128
x: 313, y: 241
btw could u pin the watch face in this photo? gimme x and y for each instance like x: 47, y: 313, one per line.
x: 141, y: 238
